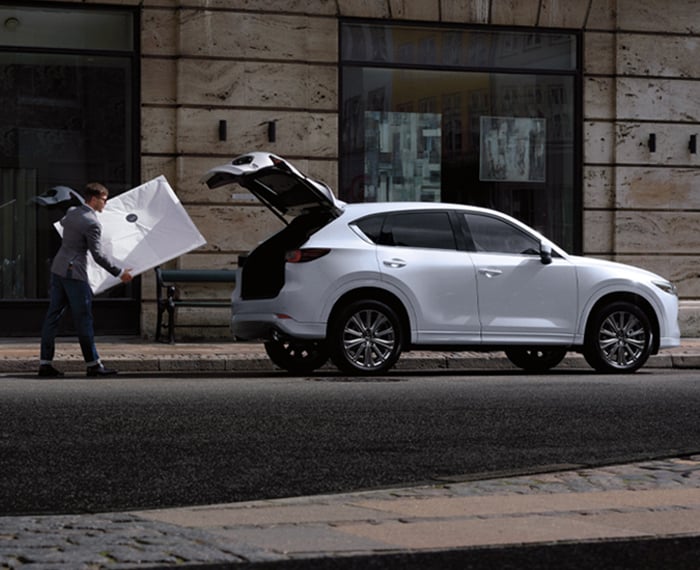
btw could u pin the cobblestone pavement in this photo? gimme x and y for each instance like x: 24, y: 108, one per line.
x: 658, y: 498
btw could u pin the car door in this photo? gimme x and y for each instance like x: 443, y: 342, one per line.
x: 419, y: 254
x: 521, y: 300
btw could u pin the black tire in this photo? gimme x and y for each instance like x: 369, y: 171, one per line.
x: 366, y: 337
x: 618, y: 338
x: 536, y: 359
x: 297, y: 357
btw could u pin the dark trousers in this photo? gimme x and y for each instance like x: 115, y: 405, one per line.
x: 63, y: 293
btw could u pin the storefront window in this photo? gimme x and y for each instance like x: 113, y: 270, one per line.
x: 66, y: 118
x: 478, y: 117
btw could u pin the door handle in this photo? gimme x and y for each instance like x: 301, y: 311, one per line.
x: 395, y: 263
x: 490, y: 272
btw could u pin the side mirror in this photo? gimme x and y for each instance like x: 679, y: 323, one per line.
x: 545, y: 254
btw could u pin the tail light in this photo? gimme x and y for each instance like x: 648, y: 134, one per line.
x: 304, y: 255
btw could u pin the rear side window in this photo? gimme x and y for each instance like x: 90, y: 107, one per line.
x: 492, y: 235
x: 431, y: 230
x: 372, y: 227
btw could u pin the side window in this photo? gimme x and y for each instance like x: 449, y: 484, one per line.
x: 371, y: 227
x: 422, y: 229
x: 490, y: 234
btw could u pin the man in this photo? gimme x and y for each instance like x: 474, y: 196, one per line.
x: 69, y: 282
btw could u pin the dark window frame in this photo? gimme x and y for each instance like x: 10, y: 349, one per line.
x: 576, y: 74
x: 119, y: 315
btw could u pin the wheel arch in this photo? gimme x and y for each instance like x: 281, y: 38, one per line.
x: 635, y: 299
x: 373, y: 294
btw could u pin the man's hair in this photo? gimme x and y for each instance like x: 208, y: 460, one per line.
x: 94, y: 189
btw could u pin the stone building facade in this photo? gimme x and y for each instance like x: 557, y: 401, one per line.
x: 252, y: 62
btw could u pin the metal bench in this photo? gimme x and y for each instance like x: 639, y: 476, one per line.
x: 167, y: 299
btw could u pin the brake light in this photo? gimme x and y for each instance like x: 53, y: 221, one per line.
x: 304, y: 255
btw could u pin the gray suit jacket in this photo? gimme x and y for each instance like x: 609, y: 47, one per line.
x: 81, y: 232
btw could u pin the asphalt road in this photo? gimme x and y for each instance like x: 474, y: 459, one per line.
x: 86, y: 445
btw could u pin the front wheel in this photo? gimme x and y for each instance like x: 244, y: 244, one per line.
x: 297, y: 357
x: 365, y: 338
x: 619, y: 338
x: 536, y: 359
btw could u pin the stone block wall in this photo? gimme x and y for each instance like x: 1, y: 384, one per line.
x: 249, y: 62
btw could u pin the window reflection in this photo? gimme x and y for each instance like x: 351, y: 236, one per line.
x: 420, y: 124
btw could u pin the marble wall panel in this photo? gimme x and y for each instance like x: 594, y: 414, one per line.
x: 258, y: 36
x: 598, y: 228
x: 599, y: 98
x: 148, y: 319
x: 158, y: 130
x: 658, y: 99
x: 563, y: 13
x: 657, y: 188
x: 599, y: 142
x: 675, y: 17
x: 298, y: 134
x: 208, y: 261
x: 159, y: 3
x: 363, y: 8
x: 672, y: 140
x: 210, y: 291
x: 232, y: 229
x: 602, y: 15
x: 658, y: 56
x: 689, y: 318
x: 219, y: 317
x: 515, y: 12
x: 657, y: 232
x: 465, y: 11
x: 158, y: 81
x: 115, y: 2
x: 313, y: 7
x: 598, y: 187
x: 599, y: 53
x: 159, y: 31
x: 427, y: 10
x: 154, y: 166
x: 257, y: 84
x: 148, y: 285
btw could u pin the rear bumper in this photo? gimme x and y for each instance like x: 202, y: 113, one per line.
x: 264, y: 326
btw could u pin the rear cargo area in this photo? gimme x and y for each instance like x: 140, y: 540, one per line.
x: 263, y: 271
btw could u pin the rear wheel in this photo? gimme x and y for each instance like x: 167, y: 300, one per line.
x: 618, y: 339
x: 366, y: 338
x: 536, y: 359
x: 297, y: 357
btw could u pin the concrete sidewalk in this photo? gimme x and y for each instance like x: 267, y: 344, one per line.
x: 656, y: 502
x: 132, y: 354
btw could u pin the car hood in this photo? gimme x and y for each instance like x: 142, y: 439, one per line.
x: 622, y: 268
x: 276, y: 183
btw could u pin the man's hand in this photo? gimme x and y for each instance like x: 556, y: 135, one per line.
x: 126, y: 276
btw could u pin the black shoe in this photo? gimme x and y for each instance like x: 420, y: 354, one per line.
x: 99, y: 370
x: 48, y: 371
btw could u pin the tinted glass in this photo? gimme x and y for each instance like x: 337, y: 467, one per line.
x: 67, y: 117
x: 371, y: 227
x: 468, y: 116
x: 492, y: 235
x: 442, y: 47
x: 73, y: 28
x: 426, y: 229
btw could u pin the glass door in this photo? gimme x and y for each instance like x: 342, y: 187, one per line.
x: 67, y: 117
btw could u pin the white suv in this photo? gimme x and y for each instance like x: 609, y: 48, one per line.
x: 360, y: 283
